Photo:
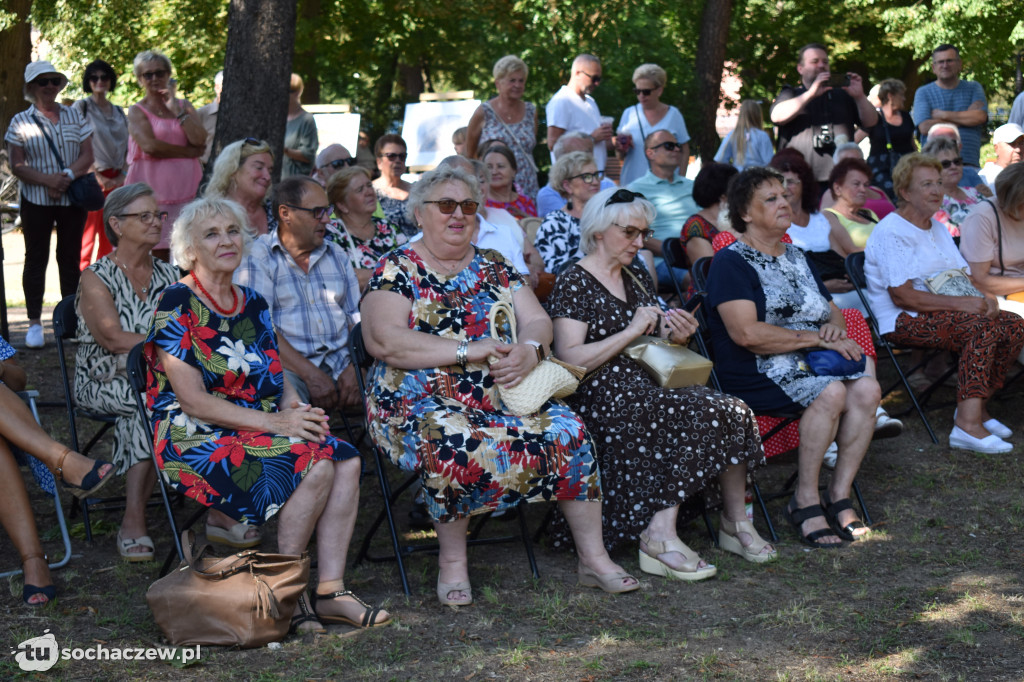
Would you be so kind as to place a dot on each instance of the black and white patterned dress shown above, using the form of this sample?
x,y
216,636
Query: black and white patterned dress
x,y
558,240
656,447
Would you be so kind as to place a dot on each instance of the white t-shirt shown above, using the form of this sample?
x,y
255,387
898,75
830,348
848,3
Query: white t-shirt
x,y
635,164
566,110
813,236
898,252
989,174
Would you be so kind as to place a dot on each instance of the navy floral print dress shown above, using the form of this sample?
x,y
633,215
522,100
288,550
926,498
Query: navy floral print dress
x,y
248,475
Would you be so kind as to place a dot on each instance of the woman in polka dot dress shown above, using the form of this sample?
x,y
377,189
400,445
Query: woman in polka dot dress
x,y
658,448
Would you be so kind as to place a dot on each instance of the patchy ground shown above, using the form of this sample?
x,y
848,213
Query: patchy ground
x,y
935,593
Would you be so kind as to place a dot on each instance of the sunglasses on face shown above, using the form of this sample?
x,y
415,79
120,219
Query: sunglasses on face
x,y
633,232
946,163
319,212
447,206
159,73
593,79
97,77
55,80
589,177
340,163
669,146
646,92
148,217
394,156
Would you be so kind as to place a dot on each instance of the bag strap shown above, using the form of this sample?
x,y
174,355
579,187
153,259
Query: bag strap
x,y
999,234
49,140
499,308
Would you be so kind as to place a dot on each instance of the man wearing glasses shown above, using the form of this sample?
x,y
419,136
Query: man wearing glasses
x,y
332,159
312,292
671,194
572,108
952,100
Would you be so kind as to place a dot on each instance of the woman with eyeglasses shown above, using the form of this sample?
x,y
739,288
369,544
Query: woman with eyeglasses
x,y
662,451
392,191
502,192
242,173
116,299
44,178
434,405
511,120
300,136
110,149
645,117
363,236
956,200
576,178
167,139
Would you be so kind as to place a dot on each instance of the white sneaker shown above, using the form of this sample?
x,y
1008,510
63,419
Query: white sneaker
x,y
831,455
991,444
34,336
886,426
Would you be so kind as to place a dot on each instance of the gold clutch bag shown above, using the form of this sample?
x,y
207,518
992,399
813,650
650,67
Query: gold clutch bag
x,y
671,365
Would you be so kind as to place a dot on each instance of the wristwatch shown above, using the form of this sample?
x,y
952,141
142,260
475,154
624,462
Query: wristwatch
x,y
68,172
539,347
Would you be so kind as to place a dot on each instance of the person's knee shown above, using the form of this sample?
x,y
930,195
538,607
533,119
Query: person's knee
x,y
831,400
864,392
348,469
319,479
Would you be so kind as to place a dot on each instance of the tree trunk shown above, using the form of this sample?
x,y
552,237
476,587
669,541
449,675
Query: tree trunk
x,y
305,64
15,54
257,67
714,33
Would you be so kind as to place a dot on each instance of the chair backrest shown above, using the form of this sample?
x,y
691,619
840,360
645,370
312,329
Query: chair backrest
x,y
675,257
855,270
359,356
136,368
65,319
699,273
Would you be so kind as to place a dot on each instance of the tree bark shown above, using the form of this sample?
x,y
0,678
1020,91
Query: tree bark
x,y
257,68
714,34
305,64
15,54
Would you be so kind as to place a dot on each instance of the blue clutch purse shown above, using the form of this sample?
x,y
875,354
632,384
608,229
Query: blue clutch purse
x,y
829,363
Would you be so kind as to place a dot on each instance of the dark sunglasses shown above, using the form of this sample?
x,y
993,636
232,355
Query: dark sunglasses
x,y
633,232
97,77
159,73
447,206
319,212
395,156
588,177
54,80
593,79
669,146
646,92
623,196
340,163
946,163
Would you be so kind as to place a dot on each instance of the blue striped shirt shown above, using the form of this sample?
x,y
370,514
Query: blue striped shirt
x,y
930,97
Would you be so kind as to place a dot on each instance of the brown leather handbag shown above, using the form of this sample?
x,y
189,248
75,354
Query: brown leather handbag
x,y
243,600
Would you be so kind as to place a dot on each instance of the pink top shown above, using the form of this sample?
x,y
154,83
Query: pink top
x,y
175,181
882,207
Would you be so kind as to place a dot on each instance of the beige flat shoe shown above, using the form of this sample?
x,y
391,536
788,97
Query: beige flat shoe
x,y
462,586
608,582
649,562
728,539
125,544
234,536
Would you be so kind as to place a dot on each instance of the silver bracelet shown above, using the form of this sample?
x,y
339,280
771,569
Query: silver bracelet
x,y
462,352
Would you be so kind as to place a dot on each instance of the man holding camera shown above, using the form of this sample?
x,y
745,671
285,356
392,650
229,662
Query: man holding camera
x,y
820,113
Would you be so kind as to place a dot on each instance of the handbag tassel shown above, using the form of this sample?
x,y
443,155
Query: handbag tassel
x,y
266,602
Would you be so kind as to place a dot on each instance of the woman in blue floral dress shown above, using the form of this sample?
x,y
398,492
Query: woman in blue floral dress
x,y
229,430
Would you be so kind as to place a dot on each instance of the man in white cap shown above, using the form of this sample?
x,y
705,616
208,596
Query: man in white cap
x,y
1009,142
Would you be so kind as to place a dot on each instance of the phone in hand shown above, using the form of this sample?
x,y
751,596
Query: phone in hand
x,y
839,80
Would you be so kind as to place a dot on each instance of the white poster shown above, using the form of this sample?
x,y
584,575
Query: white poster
x,y
335,127
428,128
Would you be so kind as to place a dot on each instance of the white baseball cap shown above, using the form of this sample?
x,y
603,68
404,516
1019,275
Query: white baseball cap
x,y
1009,133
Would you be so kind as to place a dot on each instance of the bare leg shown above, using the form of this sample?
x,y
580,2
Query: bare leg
x,y
139,481
299,515
584,520
452,562
854,436
662,528
818,427
17,519
971,416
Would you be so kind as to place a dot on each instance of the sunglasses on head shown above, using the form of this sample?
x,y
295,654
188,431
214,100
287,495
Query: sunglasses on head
x,y
447,206
669,146
646,92
97,77
53,80
588,177
946,163
623,196
340,163
319,212
159,73
253,142
395,156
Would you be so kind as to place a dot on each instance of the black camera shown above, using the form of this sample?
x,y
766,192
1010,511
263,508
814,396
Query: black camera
x,y
825,141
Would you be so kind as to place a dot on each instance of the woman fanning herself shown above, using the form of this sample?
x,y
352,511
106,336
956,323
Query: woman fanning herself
x,y
242,173
767,307
434,405
230,432
687,438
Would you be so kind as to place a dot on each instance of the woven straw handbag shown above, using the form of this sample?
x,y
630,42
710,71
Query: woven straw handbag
x,y
552,378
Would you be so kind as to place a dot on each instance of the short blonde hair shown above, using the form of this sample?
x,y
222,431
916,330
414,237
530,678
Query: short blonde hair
x,y
230,159
904,172
509,64
150,56
651,72
567,166
183,238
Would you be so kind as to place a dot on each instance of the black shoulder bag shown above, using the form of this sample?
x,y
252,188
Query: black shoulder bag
x,y
84,191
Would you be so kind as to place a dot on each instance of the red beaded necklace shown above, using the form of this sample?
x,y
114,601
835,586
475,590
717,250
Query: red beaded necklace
x,y
213,301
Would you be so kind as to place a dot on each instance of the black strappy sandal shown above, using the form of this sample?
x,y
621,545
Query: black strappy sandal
x,y
29,591
305,616
798,516
369,614
832,510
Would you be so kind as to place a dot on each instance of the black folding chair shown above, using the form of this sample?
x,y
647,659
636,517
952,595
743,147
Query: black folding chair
x,y
137,379
855,269
674,255
362,360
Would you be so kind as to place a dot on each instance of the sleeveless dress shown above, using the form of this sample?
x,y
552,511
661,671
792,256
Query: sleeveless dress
x,y
101,383
524,139
175,181
656,447
248,475
446,422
